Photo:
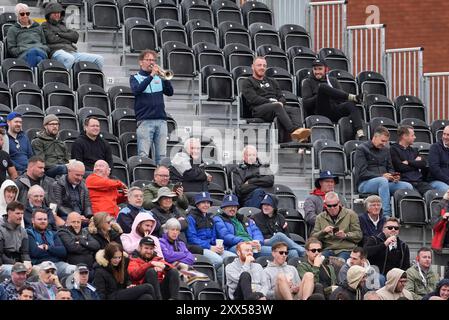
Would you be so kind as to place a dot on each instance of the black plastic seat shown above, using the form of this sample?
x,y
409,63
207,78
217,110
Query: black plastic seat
x,y
294,35
196,9
121,97
372,83
226,11
170,30
237,55
163,9
86,112
123,120
133,9
254,11
262,34
32,116
90,95
335,58
300,58
66,116
200,31
378,105
208,54
85,72
217,83
50,70
282,76
25,92
16,70
59,94
139,35
179,58
128,141
410,107
233,32
275,56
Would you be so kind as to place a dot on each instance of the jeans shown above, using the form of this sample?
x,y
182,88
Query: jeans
x,y
149,132
34,56
439,185
294,249
384,189
344,254
69,58
255,198
57,170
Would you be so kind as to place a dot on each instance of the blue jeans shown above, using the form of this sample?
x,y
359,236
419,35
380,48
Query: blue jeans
x,y
149,132
34,56
294,249
69,58
57,170
439,185
344,254
255,198
384,189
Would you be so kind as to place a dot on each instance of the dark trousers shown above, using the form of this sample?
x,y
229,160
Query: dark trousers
x,y
327,105
141,292
168,288
244,290
289,117
421,186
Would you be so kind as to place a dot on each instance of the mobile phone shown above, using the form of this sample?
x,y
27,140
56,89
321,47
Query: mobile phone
x,y
335,230
177,186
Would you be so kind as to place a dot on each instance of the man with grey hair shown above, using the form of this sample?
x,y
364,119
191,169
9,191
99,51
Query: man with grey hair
x,y
127,214
71,193
188,170
372,221
338,228
36,201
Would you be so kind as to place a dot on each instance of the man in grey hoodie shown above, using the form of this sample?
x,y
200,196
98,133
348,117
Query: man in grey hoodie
x,y
284,282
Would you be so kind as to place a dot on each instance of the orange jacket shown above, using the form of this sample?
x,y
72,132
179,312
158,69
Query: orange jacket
x,y
104,194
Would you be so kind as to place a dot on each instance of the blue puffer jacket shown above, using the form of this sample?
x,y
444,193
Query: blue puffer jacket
x,y
201,229
439,162
225,230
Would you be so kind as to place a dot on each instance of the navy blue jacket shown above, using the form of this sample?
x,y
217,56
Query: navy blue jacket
x,y
127,215
201,230
88,293
149,91
20,151
439,162
225,230
56,251
412,171
368,228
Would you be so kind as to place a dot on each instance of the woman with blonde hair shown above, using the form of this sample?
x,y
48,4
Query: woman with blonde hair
x,y
104,229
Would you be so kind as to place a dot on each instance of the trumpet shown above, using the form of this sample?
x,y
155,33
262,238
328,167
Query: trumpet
x,y
164,74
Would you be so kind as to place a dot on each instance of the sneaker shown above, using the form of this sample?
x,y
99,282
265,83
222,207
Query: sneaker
x,y
301,134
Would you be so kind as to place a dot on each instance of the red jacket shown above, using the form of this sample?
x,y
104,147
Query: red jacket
x,y
137,268
439,233
104,195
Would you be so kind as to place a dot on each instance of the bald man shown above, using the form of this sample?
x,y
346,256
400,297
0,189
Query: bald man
x,y
105,193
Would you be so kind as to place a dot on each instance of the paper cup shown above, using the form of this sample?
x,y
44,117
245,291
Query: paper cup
x,y
219,242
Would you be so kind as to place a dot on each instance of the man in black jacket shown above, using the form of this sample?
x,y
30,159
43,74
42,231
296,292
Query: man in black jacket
x,y
407,161
251,178
323,95
386,250
265,100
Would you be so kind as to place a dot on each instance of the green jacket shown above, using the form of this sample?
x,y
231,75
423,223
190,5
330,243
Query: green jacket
x,y
325,274
150,193
51,149
416,285
348,221
21,39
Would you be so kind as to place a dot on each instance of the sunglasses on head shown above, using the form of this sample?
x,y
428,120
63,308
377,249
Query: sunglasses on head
x,y
392,227
50,271
315,250
24,13
284,253
332,205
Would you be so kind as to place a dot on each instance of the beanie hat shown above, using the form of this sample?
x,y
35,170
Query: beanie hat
x,y
50,118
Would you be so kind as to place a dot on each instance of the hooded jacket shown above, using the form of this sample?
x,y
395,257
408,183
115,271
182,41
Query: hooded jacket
x,y
104,194
436,292
388,291
114,234
89,151
127,215
347,221
13,243
161,216
20,151
272,270
438,162
259,282
50,148
257,175
368,227
384,258
24,184
3,203
224,229
351,289
175,250
57,34
269,226
21,39
310,88
138,267
56,251
63,199
150,193
420,283
201,230
131,240
81,247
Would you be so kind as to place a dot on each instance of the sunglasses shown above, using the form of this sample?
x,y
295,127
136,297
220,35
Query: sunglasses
x,y
332,205
392,227
24,13
52,271
283,253
315,250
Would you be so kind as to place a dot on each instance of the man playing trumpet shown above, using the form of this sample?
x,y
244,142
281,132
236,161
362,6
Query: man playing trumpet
x,y
149,85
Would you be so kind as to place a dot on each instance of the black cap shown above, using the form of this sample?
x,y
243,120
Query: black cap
x,y
146,240
319,62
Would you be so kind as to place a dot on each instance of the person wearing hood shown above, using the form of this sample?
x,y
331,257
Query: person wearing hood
x,y
146,266
127,214
283,279
354,287
201,231
441,291
7,164
386,250
421,279
90,147
173,248
149,89
143,226
395,286
104,229
372,221
323,95
49,147
251,178
81,246
8,193
61,40
314,204
234,228
111,277
273,226
26,39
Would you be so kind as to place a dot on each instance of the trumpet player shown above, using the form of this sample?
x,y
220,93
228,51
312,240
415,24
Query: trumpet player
x,y
149,86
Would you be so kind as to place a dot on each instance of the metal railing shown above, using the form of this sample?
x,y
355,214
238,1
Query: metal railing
x,y
366,46
404,72
327,24
436,95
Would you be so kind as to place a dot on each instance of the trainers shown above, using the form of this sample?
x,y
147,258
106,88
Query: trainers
x,y
300,134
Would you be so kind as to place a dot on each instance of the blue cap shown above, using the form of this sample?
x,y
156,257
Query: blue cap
x,y
13,115
267,199
203,196
325,175
230,200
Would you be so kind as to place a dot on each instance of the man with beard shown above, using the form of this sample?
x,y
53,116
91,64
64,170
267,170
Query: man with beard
x,y
9,289
49,147
20,149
